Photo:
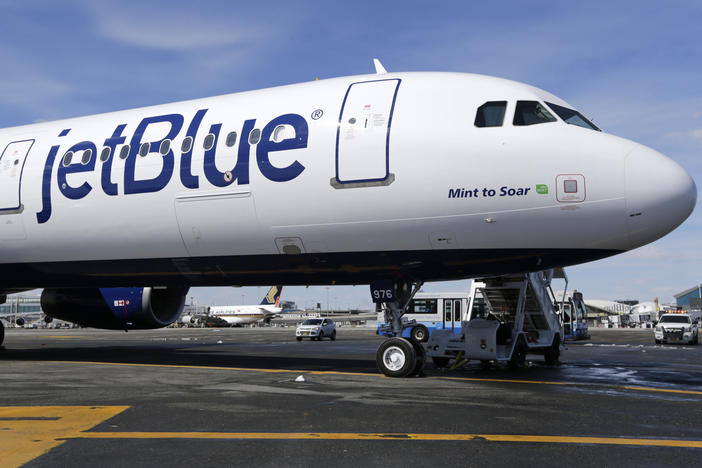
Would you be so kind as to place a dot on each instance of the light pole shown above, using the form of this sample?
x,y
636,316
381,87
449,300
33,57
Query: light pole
x,y
327,288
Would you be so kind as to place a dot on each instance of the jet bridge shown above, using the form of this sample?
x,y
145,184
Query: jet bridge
x,y
521,317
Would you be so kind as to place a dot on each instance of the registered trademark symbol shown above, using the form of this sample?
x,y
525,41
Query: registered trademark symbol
x,y
317,114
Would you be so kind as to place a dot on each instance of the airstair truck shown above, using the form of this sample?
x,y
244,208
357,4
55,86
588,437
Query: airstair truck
x,y
520,318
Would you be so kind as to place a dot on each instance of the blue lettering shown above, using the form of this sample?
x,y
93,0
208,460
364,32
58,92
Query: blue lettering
x,y
186,176
116,139
511,192
76,193
242,161
240,172
131,185
295,133
45,213
266,146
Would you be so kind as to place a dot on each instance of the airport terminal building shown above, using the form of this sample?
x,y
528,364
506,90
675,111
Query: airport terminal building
x,y
690,298
18,304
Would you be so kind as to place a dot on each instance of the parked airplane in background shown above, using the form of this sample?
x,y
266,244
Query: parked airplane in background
x,y
607,307
22,318
246,314
400,177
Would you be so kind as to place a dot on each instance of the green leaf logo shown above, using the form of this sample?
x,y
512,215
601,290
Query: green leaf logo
x,y
542,189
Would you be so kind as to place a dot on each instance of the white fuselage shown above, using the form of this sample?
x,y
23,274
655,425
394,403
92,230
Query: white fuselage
x,y
353,178
243,315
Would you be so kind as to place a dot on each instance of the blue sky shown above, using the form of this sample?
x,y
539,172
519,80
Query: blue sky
x,y
635,67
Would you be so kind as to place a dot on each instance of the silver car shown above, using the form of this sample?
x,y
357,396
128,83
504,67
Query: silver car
x,y
316,328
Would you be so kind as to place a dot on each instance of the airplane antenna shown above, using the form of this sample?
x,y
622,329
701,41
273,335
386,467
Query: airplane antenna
x,y
379,68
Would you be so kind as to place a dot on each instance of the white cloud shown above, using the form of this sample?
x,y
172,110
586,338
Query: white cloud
x,y
184,29
695,134
182,36
651,251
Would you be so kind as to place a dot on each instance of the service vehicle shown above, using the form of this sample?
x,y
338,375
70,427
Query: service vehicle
x,y
574,316
520,318
316,329
676,327
429,311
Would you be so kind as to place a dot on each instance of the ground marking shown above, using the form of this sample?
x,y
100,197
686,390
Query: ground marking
x,y
27,432
31,431
313,372
395,436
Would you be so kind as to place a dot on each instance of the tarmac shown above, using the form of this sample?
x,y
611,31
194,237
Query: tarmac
x,y
257,397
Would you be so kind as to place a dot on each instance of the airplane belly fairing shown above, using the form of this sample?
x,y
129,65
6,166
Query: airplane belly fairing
x,y
303,269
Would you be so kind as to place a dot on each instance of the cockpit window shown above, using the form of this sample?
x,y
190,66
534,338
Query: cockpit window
x,y
571,116
530,113
491,114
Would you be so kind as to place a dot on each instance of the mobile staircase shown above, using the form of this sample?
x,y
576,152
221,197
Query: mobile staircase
x,y
521,318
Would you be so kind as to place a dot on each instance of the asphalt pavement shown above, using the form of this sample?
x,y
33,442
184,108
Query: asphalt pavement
x,y
257,397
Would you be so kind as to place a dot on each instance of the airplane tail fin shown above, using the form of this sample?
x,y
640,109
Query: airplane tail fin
x,y
273,296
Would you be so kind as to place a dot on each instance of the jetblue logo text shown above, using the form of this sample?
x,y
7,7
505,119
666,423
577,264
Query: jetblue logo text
x,y
295,131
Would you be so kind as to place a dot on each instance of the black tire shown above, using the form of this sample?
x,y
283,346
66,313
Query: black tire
x,y
519,354
553,352
440,362
396,357
333,335
485,365
420,358
420,334
320,336
2,333
658,341
299,338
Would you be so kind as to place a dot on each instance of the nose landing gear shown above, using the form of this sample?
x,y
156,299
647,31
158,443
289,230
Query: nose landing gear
x,y
397,357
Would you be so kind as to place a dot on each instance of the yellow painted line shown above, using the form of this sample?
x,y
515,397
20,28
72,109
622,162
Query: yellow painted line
x,y
250,369
664,390
538,382
312,372
27,432
394,436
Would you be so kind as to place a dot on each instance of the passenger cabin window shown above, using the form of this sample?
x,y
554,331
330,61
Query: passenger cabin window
x,y
491,114
231,139
254,136
531,113
165,147
571,116
209,142
87,155
187,144
124,152
105,155
67,158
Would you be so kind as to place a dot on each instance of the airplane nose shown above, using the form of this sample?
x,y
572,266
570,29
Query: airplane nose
x,y
660,195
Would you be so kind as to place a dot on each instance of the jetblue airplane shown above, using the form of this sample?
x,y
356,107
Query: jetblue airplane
x,y
402,177
247,314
